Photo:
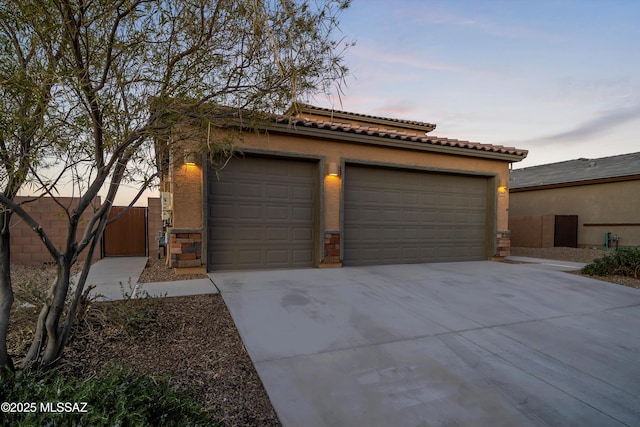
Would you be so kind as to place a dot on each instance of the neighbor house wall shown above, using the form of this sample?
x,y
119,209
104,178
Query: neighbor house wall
x,y
27,247
606,207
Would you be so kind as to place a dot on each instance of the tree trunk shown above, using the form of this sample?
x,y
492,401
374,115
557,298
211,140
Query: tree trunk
x,y
6,292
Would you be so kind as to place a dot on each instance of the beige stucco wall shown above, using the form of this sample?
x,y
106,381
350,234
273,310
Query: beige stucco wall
x,y
188,198
606,203
340,152
187,189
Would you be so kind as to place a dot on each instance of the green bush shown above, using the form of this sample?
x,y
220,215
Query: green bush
x,y
118,398
624,262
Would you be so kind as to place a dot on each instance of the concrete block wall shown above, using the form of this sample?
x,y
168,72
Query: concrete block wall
x,y
26,246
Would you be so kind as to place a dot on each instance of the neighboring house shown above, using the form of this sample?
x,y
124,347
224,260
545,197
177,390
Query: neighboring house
x,y
319,188
577,203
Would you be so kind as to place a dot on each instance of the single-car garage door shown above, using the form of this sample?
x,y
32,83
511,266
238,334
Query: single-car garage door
x,y
396,216
261,214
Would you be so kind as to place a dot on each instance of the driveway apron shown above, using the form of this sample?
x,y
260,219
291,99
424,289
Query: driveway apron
x,y
464,344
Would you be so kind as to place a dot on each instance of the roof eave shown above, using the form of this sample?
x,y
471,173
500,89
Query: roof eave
x,y
576,183
393,143
336,114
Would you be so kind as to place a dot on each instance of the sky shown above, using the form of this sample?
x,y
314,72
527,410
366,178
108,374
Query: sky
x,y
558,78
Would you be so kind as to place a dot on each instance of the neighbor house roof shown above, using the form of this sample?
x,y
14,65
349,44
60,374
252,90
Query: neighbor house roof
x,y
576,172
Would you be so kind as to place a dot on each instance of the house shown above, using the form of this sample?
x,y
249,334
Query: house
x,y
577,203
324,188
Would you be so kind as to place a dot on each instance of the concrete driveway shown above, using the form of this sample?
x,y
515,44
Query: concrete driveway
x,y
455,344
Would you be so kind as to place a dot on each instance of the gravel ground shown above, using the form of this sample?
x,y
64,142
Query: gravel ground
x,y
157,271
191,339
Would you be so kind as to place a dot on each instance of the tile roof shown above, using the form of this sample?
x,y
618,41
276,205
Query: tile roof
x,y
577,170
398,135
307,108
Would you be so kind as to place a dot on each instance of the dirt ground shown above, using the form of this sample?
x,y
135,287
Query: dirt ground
x,y
191,339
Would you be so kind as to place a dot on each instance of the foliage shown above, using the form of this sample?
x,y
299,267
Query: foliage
x,y
117,397
30,284
90,90
623,262
135,311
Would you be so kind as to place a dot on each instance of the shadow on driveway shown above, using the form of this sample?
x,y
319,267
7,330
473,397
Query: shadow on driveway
x,y
465,344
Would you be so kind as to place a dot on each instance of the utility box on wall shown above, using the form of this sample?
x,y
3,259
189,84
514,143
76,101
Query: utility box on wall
x,y
166,199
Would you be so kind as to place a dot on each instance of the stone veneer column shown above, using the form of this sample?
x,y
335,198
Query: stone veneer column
x,y
186,248
331,249
503,239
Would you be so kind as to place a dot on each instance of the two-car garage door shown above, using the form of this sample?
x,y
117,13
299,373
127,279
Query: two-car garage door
x,y
396,216
263,213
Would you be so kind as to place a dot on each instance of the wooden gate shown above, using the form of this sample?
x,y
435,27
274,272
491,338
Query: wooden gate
x,y
566,231
126,236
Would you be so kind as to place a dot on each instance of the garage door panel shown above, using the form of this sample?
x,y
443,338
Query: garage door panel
x,y
262,214
302,213
249,257
245,211
302,193
302,256
277,256
276,213
248,191
225,210
226,258
301,234
274,191
245,233
399,216
275,234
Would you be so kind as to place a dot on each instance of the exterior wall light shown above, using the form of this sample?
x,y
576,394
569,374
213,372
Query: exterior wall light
x,y
502,186
190,158
334,170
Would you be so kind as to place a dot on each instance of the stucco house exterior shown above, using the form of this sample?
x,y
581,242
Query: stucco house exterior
x,y
325,188
577,203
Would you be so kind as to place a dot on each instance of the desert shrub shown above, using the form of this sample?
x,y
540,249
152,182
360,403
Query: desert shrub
x,y
119,397
624,262
31,283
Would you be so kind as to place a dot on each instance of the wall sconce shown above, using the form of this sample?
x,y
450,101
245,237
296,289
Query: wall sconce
x,y
190,157
502,186
334,169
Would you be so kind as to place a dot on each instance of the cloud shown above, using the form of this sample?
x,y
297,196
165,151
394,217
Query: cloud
x,y
399,109
369,53
490,19
596,126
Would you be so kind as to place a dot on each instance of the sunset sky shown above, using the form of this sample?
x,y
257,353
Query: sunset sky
x,y
559,78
